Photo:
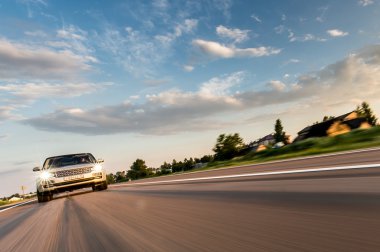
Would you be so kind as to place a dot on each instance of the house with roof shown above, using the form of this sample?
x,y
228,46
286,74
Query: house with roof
x,y
15,199
334,126
262,143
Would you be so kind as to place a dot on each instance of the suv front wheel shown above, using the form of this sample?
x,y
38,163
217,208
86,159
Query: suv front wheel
x,y
43,197
100,187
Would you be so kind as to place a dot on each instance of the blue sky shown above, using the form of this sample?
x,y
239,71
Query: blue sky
x,y
160,80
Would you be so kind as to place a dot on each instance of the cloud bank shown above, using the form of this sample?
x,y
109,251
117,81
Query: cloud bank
x,y
354,78
24,61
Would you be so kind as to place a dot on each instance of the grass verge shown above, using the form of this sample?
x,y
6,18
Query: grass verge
x,y
4,202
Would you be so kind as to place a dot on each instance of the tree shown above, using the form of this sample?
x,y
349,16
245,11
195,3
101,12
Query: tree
x,y
279,133
177,166
137,170
228,146
207,158
165,168
150,171
188,164
110,178
120,176
365,111
326,118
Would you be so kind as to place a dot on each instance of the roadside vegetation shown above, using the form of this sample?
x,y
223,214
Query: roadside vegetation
x,y
357,139
230,150
4,202
8,200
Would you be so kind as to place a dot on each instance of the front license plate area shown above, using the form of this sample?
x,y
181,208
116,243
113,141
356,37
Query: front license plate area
x,y
74,177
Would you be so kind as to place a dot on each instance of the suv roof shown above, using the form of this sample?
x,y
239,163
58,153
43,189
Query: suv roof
x,y
66,155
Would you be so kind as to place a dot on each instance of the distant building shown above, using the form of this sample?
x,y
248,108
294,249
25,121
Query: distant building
x,y
15,199
335,126
267,140
199,165
261,143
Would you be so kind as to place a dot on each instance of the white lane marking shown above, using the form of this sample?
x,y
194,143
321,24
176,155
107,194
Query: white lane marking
x,y
23,203
351,167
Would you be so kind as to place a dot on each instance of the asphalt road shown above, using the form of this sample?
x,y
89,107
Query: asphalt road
x,y
318,211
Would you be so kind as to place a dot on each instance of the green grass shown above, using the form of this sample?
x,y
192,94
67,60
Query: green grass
x,y
2,202
356,139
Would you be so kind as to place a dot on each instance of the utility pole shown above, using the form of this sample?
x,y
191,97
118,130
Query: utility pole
x,y
23,189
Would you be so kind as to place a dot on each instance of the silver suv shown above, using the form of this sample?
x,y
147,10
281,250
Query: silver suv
x,y
69,172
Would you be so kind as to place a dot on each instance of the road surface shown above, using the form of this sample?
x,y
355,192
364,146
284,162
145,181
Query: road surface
x,y
337,210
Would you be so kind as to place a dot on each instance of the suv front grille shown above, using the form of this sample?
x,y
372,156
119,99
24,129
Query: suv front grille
x,y
72,172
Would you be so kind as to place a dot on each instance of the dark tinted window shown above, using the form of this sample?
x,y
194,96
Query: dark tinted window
x,y
68,160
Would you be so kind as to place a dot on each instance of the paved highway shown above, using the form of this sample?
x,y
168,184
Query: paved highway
x,y
334,210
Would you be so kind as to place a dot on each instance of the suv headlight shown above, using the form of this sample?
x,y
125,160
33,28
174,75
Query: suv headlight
x,y
45,175
97,168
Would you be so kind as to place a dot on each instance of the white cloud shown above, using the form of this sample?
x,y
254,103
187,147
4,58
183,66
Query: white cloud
x,y
136,52
161,4
155,82
217,50
32,5
351,79
37,33
42,2
336,33
236,35
220,86
224,6
73,38
365,2
188,68
134,97
58,44
8,113
291,61
276,85
321,17
23,61
22,95
141,53
72,32
167,112
304,38
5,112
33,91
256,18
188,26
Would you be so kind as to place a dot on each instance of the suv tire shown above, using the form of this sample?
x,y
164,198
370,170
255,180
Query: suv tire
x,y
100,187
43,197
104,186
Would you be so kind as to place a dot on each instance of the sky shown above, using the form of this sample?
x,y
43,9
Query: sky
x,y
160,80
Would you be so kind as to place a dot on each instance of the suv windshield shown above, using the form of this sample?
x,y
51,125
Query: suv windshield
x,y
67,160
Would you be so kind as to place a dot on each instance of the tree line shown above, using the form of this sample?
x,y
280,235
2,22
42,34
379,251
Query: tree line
x,y
139,169
227,147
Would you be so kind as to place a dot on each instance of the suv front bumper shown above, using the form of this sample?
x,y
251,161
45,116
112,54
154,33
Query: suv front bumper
x,y
56,185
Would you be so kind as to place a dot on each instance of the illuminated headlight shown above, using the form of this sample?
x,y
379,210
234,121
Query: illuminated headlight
x,y
45,175
97,168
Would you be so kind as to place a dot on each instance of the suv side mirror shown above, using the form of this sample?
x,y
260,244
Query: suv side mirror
x,y
36,169
100,161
